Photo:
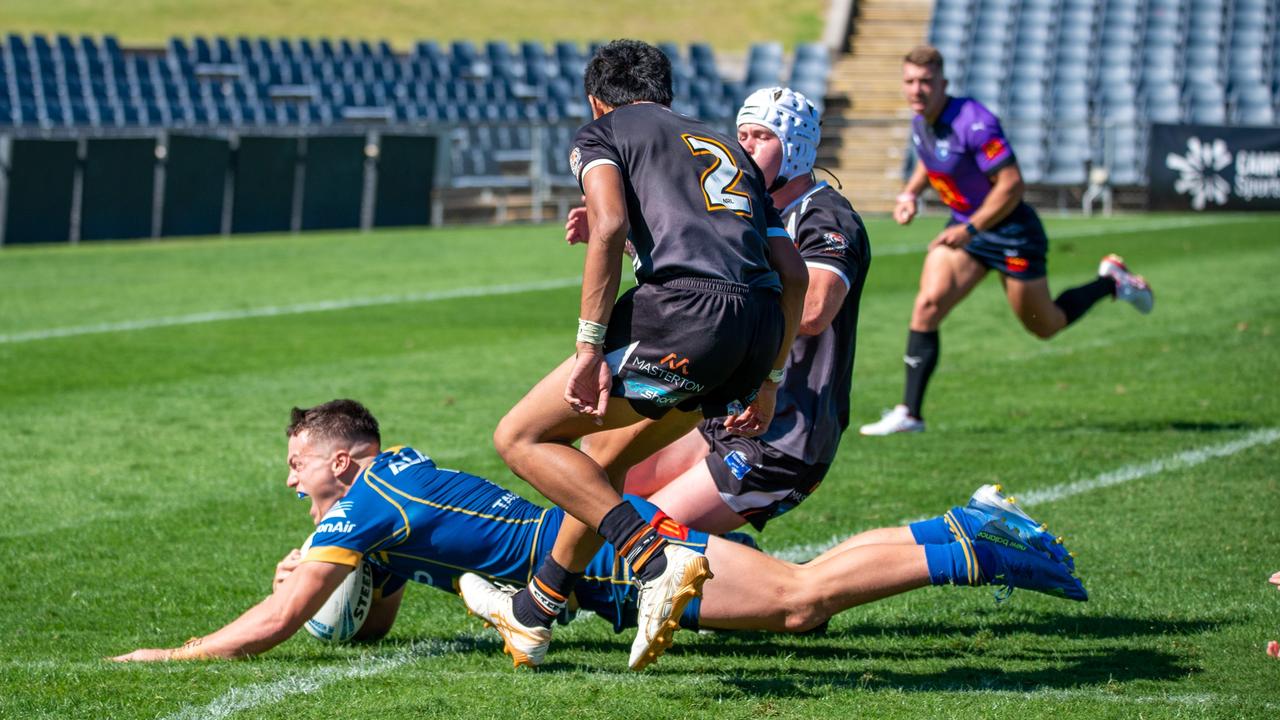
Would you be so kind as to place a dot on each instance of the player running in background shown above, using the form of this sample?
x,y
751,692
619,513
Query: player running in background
x,y
964,155
412,520
720,293
712,479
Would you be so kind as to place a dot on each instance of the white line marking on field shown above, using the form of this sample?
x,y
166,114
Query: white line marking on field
x,y
1120,227
1053,493
251,696
298,309
1182,460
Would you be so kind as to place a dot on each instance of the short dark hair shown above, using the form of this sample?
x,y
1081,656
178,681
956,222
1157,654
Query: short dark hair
x,y
926,56
628,71
345,420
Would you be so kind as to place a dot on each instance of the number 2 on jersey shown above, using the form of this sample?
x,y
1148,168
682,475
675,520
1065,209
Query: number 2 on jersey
x,y
720,181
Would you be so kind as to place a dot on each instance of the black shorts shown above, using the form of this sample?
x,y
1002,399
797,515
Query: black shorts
x,y
755,479
1016,247
692,343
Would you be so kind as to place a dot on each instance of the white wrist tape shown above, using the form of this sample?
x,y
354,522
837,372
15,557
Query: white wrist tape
x,y
906,197
591,332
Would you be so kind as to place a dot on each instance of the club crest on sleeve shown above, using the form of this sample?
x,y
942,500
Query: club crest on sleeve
x,y
836,244
993,148
575,161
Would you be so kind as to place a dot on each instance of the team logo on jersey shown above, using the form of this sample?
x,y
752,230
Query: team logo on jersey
x,y
994,148
575,161
948,192
943,149
837,244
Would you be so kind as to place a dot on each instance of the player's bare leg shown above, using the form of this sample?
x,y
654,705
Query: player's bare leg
x,y
692,499
1034,307
879,536
654,472
949,275
754,591
535,439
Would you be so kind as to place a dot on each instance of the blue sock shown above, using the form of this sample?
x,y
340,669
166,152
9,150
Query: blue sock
x,y
933,531
950,564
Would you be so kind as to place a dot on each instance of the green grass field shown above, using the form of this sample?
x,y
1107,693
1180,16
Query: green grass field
x,y
144,388
729,26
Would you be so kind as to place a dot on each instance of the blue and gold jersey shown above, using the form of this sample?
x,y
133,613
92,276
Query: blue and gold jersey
x,y
429,524
415,521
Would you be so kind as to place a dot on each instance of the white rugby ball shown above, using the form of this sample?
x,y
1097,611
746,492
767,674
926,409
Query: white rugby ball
x,y
341,616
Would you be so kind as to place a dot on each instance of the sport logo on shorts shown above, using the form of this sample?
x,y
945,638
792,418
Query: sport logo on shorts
x,y
738,464
1016,264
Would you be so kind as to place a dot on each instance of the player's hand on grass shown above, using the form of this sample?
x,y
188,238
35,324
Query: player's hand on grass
x,y
285,567
587,391
576,229
904,211
1275,580
146,655
755,419
955,236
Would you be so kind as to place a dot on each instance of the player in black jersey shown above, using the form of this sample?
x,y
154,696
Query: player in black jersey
x,y
721,289
715,480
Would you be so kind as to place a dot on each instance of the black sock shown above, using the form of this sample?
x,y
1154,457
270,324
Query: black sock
x,y
921,359
635,541
546,595
1077,301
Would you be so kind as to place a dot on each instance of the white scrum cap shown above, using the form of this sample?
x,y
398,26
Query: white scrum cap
x,y
793,118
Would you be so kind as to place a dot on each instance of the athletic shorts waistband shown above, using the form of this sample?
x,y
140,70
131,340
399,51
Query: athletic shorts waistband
x,y
727,287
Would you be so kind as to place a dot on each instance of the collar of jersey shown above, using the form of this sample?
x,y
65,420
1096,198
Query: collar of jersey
x,y
809,193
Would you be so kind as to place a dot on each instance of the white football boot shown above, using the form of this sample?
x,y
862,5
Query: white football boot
x,y
897,420
663,599
1130,288
526,645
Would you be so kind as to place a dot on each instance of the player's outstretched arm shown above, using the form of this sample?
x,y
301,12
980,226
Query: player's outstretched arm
x,y
1275,580
264,625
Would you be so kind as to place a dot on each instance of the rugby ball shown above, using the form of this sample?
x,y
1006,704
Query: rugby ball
x,y
341,616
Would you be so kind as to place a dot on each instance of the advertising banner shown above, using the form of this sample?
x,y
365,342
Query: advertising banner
x,y
1208,167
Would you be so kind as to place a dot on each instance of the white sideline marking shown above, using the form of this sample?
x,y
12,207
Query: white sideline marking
x,y
299,309
1053,493
1190,458
329,305
1119,227
243,698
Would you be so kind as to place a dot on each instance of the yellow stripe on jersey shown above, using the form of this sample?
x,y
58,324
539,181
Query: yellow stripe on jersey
x,y
332,554
403,515
533,547
449,508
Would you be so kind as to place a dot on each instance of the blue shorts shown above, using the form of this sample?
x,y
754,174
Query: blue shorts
x,y
1017,247
607,588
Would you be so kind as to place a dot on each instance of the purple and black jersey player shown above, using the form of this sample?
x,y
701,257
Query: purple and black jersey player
x,y
717,306
965,156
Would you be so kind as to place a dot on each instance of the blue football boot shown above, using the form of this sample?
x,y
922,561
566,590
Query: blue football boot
x,y
1006,559
989,503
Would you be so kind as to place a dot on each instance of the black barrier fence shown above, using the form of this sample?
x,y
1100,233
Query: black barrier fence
x,y
1207,167
60,190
